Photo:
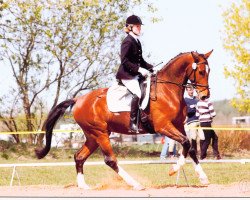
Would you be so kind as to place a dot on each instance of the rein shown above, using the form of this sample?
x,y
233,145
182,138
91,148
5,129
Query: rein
x,y
157,80
180,84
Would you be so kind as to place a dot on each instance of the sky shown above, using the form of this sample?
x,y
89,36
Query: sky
x,y
189,25
186,25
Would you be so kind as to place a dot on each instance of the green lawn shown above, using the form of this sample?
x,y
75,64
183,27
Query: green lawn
x,y
150,175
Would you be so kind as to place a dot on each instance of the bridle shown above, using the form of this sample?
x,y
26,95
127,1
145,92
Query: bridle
x,y
193,82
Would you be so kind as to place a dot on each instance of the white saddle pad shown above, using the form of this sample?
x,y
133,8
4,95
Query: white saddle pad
x,y
119,98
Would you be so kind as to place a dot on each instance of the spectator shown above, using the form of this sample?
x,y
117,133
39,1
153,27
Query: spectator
x,y
174,148
169,148
164,150
205,112
192,120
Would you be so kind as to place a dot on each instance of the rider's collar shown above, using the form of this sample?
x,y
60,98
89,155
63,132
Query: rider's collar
x,y
136,37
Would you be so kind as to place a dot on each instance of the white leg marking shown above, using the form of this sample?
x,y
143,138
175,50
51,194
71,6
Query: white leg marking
x,y
181,161
81,182
129,180
202,176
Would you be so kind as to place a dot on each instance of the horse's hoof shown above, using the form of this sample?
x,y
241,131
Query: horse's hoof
x,y
139,188
204,181
171,171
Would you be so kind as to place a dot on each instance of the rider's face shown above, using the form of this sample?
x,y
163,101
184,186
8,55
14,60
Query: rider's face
x,y
136,29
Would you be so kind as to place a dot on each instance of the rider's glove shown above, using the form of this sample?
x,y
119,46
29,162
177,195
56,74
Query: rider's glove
x,y
143,71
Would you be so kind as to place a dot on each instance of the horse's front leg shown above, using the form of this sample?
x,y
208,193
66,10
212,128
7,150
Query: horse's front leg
x,y
198,169
172,132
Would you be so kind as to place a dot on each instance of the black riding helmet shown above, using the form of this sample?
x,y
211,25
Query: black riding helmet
x,y
133,19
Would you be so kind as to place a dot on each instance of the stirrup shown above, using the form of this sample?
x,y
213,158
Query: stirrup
x,y
134,129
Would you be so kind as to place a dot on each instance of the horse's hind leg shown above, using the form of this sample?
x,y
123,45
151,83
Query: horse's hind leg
x,y
80,157
111,161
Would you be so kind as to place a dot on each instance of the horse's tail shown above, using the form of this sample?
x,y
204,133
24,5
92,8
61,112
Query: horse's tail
x,y
49,124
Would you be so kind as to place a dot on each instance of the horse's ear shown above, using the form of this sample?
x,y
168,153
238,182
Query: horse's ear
x,y
195,56
208,54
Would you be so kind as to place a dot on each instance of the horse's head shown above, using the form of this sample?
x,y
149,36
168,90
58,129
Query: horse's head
x,y
198,72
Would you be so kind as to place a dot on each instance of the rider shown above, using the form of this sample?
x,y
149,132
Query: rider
x,y
133,65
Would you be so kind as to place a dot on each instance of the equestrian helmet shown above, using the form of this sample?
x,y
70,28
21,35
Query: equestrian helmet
x,y
133,19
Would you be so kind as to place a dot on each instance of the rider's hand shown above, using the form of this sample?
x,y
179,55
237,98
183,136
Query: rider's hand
x,y
151,70
155,71
143,71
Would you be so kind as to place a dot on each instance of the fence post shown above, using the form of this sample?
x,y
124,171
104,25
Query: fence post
x,y
13,175
178,176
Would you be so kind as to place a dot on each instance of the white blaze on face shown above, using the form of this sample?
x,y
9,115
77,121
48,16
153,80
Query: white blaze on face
x,y
194,66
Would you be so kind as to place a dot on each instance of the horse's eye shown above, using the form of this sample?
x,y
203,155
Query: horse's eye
x,y
202,72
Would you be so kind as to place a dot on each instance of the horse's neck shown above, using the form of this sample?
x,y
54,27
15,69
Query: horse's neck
x,y
175,72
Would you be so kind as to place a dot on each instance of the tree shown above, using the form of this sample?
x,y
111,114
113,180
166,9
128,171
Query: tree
x,y
236,41
20,49
57,49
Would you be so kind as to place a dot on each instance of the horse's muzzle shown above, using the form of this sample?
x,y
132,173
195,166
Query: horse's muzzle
x,y
204,94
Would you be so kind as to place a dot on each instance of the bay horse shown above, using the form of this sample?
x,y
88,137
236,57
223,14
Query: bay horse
x,y
167,112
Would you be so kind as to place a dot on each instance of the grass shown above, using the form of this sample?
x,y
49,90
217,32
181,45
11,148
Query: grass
x,y
153,175
150,175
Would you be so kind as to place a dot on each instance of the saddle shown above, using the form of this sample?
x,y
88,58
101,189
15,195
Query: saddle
x,y
119,100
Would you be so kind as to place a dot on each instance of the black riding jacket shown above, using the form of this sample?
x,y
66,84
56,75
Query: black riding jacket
x,y
131,59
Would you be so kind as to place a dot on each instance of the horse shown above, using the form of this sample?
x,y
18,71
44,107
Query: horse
x,y
166,112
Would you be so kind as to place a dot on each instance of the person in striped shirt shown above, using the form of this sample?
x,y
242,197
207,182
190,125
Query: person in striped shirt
x,y
205,112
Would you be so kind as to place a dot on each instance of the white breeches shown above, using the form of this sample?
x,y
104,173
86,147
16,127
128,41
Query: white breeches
x,y
171,146
133,86
194,133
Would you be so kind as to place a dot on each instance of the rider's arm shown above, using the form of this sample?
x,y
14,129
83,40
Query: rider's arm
x,y
147,65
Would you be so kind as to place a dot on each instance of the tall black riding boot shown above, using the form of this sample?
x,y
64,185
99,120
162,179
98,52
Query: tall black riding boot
x,y
134,113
